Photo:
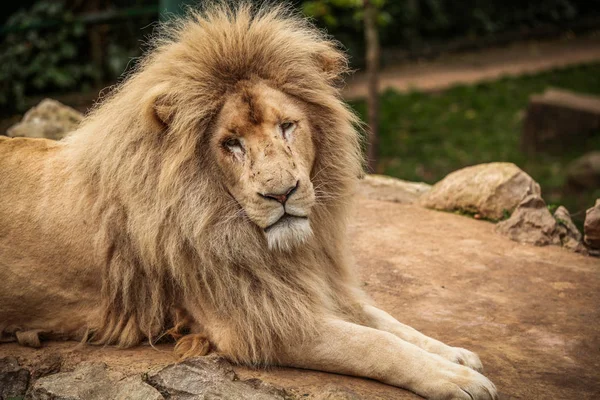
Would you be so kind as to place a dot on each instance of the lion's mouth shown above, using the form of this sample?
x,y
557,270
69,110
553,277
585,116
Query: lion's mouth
x,y
285,220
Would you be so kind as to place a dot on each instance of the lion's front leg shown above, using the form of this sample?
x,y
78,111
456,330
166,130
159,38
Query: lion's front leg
x,y
381,320
347,348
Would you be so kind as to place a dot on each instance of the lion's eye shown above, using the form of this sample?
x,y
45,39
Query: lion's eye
x,y
287,128
233,145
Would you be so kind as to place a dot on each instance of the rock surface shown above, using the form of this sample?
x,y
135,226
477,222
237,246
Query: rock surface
x,y
50,119
92,381
208,378
14,379
559,118
490,190
386,188
591,228
584,172
531,313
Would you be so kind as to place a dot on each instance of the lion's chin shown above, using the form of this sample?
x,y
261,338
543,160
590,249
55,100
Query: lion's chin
x,y
288,233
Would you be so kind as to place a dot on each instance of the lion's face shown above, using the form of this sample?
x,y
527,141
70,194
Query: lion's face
x,y
265,150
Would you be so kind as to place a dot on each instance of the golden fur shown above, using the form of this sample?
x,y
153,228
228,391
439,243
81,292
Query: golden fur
x,y
130,216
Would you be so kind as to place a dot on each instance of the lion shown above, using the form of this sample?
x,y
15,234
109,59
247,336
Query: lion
x,y
207,196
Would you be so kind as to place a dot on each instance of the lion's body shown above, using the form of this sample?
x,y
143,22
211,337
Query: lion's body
x,y
211,188
114,203
50,280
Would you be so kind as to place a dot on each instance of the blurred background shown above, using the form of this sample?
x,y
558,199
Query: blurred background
x,y
443,84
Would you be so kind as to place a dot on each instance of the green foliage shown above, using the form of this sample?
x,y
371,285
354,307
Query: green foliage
x,y
425,136
41,60
349,13
413,24
421,19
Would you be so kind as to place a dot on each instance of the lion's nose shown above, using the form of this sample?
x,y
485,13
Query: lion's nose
x,y
281,197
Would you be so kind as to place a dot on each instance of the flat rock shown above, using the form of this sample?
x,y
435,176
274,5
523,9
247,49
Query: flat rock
x,y
525,310
591,228
490,190
531,313
386,188
14,379
50,119
208,378
92,381
333,392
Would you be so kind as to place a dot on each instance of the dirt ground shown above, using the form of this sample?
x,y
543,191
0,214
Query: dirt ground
x,y
485,65
531,313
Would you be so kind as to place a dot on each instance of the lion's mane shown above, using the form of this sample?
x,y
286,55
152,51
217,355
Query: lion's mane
x,y
168,232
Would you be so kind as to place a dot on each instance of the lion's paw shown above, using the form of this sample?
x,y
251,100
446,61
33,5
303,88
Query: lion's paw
x,y
458,382
192,345
464,357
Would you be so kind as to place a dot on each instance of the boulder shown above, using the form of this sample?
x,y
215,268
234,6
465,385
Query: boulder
x,y
50,119
591,229
92,381
386,188
531,223
13,378
210,377
558,119
491,190
584,172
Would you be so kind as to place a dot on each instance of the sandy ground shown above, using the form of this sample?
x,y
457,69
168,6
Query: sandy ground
x,y
532,314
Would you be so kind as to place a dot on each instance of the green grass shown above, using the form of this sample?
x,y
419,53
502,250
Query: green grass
x,y
425,136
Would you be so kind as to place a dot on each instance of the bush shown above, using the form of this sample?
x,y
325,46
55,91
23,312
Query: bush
x,y
47,58
413,23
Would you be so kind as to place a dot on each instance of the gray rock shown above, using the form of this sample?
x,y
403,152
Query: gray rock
x,y
386,188
210,377
490,190
569,235
50,119
531,223
584,172
13,378
47,364
591,229
92,381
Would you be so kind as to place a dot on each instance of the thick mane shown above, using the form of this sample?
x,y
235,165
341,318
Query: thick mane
x,y
170,237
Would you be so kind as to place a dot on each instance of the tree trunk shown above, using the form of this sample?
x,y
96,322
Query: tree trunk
x,y
372,58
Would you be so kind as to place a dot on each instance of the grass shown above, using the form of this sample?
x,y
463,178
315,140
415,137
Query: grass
x,y
425,136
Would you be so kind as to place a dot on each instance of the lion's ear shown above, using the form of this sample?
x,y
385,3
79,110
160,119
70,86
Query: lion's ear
x,y
158,108
332,62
